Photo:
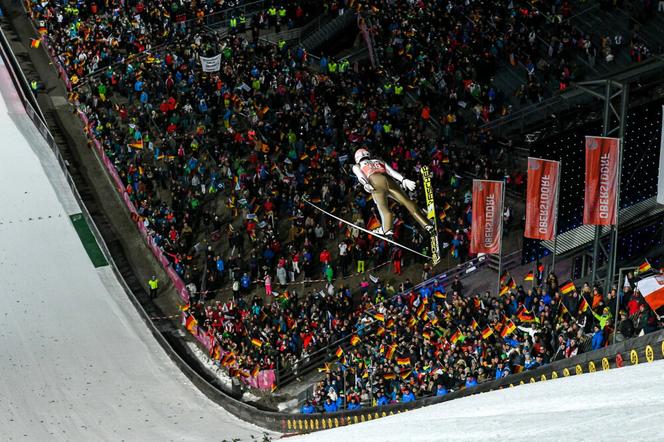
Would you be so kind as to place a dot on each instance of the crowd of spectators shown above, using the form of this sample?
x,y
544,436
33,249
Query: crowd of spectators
x,y
437,339
448,53
218,164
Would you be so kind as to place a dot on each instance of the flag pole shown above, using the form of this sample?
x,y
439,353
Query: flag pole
x,y
500,250
555,222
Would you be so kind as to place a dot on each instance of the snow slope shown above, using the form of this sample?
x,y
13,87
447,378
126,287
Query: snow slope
x,y
77,363
624,404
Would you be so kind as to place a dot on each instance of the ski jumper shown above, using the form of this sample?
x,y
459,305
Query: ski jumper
x,y
384,180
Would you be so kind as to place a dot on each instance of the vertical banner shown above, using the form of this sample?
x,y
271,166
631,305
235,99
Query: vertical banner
x,y
660,182
487,225
541,199
601,181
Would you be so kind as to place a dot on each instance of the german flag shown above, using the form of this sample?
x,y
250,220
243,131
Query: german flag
x,y
474,324
379,317
380,331
644,267
136,144
530,276
511,284
339,352
403,361
390,323
508,328
420,309
504,277
412,322
438,294
427,336
446,206
190,323
257,342
504,290
34,43
255,371
456,336
568,287
404,374
42,30
486,332
583,306
354,340
477,303
526,316
389,376
563,310
390,352
373,223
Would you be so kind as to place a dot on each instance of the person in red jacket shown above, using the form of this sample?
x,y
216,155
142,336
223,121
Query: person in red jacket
x,y
324,259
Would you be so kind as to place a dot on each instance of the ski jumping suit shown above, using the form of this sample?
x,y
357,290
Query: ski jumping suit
x,y
384,181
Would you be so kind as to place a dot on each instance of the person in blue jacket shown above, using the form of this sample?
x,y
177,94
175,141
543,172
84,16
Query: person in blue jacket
x,y
382,399
470,382
308,408
354,404
441,390
407,396
245,282
329,406
598,338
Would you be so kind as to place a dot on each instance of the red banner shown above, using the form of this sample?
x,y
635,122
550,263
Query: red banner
x,y
487,225
541,199
601,180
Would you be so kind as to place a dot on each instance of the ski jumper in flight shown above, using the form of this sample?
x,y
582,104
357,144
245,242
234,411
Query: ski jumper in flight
x,y
381,181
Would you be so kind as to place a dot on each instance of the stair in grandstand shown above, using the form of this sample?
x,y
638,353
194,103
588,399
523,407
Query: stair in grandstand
x,y
330,30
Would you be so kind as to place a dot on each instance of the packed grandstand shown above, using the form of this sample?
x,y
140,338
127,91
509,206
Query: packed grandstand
x,y
232,170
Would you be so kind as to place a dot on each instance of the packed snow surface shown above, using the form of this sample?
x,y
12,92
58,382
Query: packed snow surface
x,y
625,404
78,363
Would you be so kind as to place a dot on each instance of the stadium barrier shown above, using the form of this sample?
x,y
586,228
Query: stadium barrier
x,y
644,349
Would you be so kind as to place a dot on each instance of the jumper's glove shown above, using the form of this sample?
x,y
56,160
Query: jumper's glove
x,y
369,188
408,184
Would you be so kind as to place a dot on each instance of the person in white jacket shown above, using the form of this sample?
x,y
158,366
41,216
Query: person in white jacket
x,y
381,181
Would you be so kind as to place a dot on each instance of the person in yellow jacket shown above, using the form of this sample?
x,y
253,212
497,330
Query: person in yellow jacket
x,y
153,283
604,318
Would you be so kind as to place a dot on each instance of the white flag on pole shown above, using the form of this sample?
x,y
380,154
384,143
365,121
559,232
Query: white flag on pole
x,y
660,182
211,64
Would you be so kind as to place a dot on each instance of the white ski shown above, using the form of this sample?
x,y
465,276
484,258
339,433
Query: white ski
x,y
384,238
431,214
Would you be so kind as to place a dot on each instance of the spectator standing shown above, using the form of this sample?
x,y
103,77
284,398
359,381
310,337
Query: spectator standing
x,y
153,283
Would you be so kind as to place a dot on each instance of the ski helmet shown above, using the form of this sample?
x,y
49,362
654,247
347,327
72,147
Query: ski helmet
x,y
360,154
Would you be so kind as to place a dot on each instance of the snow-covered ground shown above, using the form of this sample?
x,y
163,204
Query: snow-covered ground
x,y
625,404
77,362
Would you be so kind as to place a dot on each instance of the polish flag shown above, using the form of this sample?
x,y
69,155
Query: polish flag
x,y
652,290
